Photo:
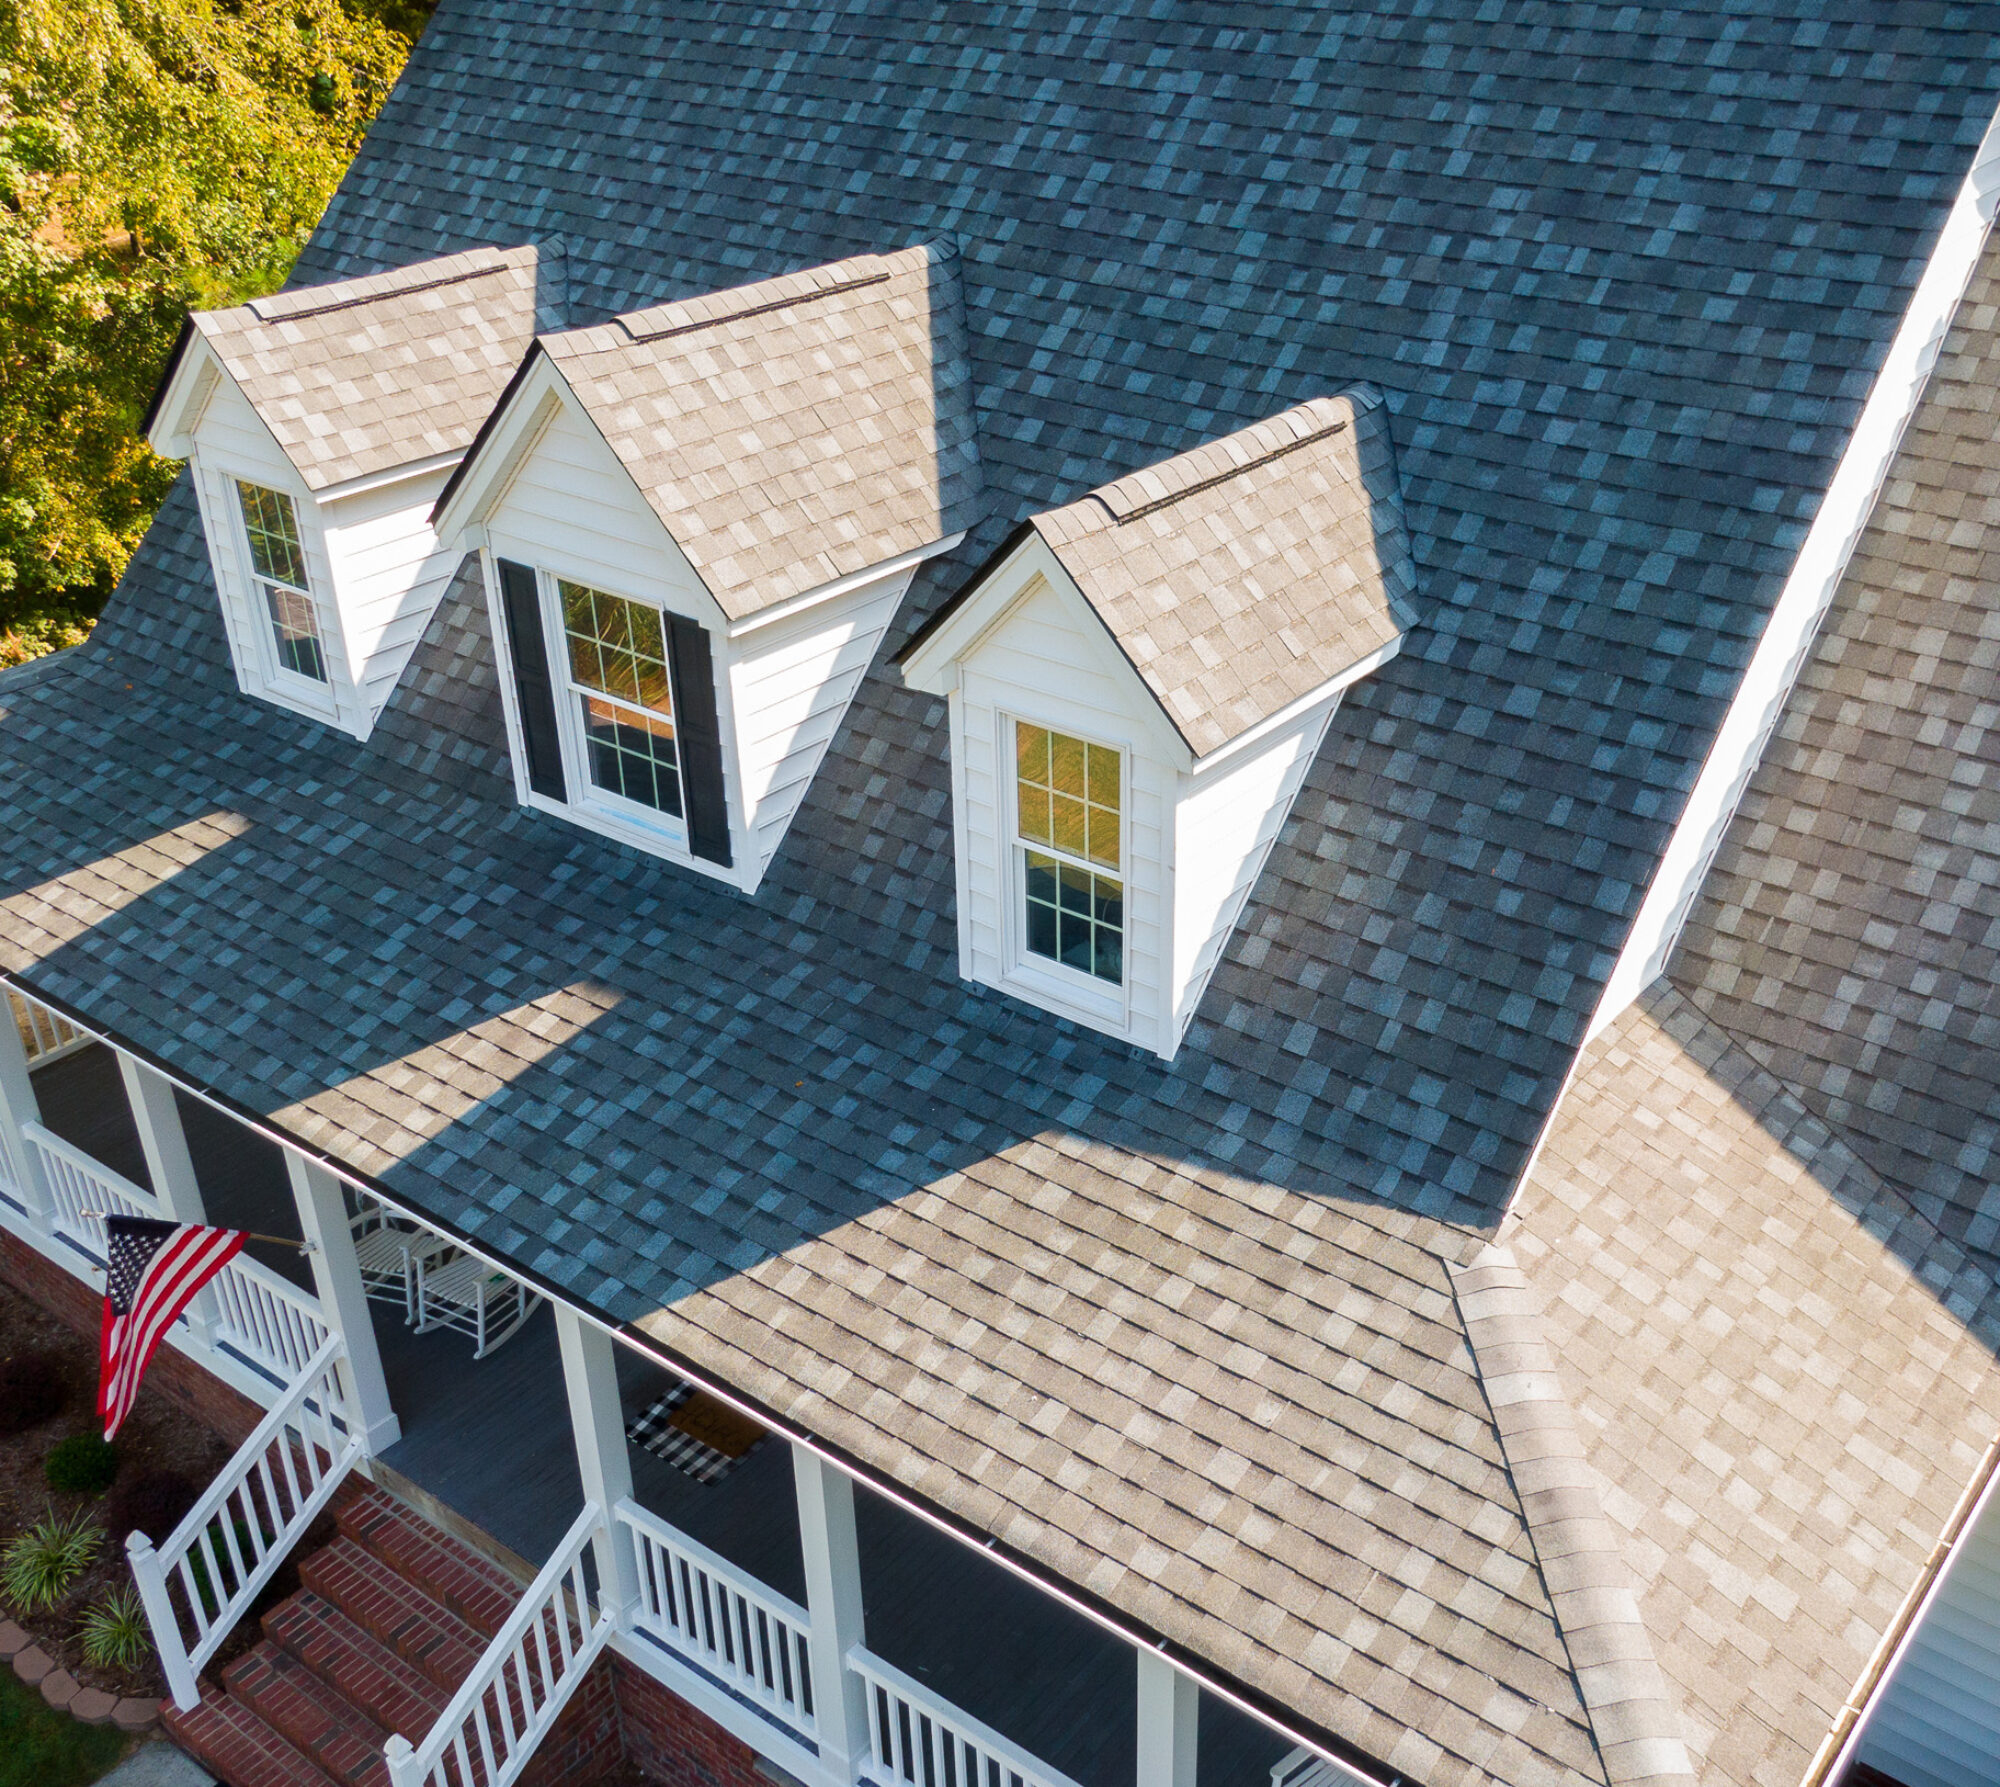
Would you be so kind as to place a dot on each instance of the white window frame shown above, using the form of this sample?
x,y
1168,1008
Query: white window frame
x,y
279,680
630,821
1042,979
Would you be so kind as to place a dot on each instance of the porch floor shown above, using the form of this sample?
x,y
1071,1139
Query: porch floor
x,y
491,1439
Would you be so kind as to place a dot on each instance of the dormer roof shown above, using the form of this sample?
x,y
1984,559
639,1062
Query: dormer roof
x,y
368,375
795,431
1243,575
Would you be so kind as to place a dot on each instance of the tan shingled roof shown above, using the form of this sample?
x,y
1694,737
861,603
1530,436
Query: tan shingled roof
x,y
794,431
368,374
1783,1371
1252,570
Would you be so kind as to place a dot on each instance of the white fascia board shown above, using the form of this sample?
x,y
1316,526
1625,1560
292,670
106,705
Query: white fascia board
x,y
1809,590
841,586
396,474
933,667
194,382
531,406
1328,691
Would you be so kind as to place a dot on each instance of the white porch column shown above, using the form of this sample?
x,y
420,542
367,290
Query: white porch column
x,y
18,1106
337,1278
590,1374
833,1598
169,1165
1169,1716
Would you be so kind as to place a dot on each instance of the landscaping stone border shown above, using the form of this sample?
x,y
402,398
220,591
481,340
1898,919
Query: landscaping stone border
x,y
65,1693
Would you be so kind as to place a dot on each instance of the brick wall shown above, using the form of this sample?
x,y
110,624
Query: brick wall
x,y
588,1741
676,1745
173,1374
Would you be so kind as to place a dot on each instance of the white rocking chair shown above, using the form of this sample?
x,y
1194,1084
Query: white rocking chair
x,y
465,1293
390,1254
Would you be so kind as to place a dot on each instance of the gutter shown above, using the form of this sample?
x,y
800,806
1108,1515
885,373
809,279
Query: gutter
x,y
1850,1725
1245,1699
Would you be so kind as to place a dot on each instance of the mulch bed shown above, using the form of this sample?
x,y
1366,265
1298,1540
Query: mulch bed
x,y
157,1437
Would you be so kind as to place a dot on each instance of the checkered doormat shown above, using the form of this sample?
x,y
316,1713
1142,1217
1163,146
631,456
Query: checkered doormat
x,y
695,1433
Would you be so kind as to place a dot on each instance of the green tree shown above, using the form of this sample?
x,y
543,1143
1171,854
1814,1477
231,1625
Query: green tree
x,y
155,156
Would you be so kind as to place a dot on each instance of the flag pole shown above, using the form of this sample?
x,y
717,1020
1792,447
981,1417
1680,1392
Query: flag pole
x,y
248,1235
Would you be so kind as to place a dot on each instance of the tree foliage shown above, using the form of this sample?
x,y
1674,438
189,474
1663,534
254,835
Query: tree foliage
x,y
155,156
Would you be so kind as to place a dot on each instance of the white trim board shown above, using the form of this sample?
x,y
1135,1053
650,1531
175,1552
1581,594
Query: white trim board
x,y
1816,574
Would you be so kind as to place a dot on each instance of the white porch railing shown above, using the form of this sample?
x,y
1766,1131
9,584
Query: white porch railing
x,y
916,1739
197,1584
83,1191
266,1319
723,1620
44,1035
516,1692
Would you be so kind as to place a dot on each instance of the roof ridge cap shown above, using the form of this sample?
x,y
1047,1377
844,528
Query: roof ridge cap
x,y
806,285
1275,450
500,263
1583,1567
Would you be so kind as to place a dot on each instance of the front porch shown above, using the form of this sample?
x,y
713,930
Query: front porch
x,y
743,1594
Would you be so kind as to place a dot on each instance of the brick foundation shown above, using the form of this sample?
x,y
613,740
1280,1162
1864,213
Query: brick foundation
x,y
673,1743
188,1386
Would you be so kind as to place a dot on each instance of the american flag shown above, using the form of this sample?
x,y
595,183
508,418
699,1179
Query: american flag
x,y
153,1273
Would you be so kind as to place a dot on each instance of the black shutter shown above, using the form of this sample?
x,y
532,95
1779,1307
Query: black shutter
x,y
528,646
700,736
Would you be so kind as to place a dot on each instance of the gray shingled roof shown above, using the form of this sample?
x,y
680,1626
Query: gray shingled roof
x,y
1783,1370
1246,573
1762,1227
1545,234
364,375
796,430
1849,935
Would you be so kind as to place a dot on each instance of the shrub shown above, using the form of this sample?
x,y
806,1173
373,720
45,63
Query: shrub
x,y
31,1391
83,1464
152,1503
39,1565
115,1635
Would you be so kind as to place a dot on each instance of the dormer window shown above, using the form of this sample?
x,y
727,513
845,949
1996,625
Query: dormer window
x,y
319,426
697,523
278,568
622,705
1068,796
1138,683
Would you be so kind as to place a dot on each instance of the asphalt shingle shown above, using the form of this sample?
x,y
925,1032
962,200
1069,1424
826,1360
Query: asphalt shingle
x,y
1578,248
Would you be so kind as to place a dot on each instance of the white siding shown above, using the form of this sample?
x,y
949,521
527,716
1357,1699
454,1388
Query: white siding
x,y
230,443
388,573
1227,822
572,508
1049,663
1938,1724
790,684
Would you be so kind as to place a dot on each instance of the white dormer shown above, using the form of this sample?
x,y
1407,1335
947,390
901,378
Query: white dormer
x,y
1137,685
697,523
320,426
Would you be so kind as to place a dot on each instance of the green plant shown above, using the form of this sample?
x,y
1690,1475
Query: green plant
x,y
39,1565
83,1464
114,1632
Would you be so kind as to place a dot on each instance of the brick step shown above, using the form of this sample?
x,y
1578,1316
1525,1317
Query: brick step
x,y
307,1713
240,1747
363,1671
473,1587
420,1630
